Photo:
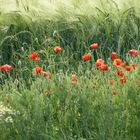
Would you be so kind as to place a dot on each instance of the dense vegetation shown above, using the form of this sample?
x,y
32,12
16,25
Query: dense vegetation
x,y
70,70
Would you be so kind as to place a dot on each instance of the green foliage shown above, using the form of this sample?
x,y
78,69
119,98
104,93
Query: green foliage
x,y
57,109
33,107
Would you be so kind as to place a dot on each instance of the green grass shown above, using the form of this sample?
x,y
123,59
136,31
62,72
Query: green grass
x,y
57,109
33,107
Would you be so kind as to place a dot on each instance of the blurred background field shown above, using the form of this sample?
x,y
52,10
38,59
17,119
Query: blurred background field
x,y
73,24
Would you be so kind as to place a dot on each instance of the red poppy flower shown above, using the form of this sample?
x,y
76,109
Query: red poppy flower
x,y
86,57
73,79
57,49
117,62
6,67
123,80
34,56
113,55
103,67
99,62
134,65
48,74
120,73
128,68
133,52
38,70
94,46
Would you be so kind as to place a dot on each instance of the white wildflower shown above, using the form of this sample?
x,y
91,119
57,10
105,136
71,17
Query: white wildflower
x,y
8,119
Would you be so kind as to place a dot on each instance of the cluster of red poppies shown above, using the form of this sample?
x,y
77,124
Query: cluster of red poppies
x,y
6,68
94,46
118,63
34,56
40,71
100,63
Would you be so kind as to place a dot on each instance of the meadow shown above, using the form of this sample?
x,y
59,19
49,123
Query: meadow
x,y
69,70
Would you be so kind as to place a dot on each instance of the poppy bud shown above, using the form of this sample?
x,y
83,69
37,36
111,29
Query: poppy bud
x,y
94,46
86,57
57,49
113,55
